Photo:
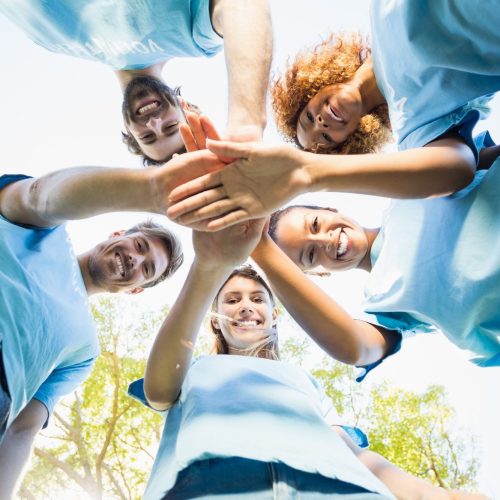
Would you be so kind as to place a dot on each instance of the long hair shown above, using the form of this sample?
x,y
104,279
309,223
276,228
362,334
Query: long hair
x,y
267,347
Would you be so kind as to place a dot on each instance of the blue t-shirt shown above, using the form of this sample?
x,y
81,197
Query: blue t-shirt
x,y
436,265
433,62
124,34
47,332
241,406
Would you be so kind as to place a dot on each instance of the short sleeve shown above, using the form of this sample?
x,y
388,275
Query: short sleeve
x,y
62,381
7,179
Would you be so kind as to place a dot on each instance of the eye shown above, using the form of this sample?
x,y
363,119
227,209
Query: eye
x,y
311,255
327,138
315,225
232,301
310,117
146,270
148,138
258,300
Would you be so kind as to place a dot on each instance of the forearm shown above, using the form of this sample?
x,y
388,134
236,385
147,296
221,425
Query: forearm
x,y
15,450
341,336
76,193
172,350
404,486
248,45
439,169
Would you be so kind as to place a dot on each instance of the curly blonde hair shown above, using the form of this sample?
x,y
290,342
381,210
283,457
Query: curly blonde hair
x,y
334,60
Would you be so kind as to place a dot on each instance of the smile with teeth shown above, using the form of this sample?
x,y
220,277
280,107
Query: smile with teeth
x,y
247,323
148,107
119,264
342,246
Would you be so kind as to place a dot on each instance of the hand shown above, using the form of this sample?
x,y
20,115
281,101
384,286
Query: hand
x,y
183,168
262,179
227,248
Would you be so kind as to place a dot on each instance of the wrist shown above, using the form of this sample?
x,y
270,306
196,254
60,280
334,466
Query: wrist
x,y
311,171
211,270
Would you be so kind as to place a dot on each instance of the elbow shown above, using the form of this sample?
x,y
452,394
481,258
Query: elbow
x,y
463,176
157,399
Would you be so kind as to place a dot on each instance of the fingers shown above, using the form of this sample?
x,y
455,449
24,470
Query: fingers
x,y
227,220
194,123
187,137
209,128
225,149
210,203
192,187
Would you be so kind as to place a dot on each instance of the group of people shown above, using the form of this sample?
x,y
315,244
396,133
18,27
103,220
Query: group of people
x,y
240,423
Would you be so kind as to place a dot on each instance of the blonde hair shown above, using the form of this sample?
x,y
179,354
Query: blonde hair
x,y
267,347
334,60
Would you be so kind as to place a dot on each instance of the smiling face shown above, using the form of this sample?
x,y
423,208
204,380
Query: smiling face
x,y
152,115
249,305
314,237
329,118
127,262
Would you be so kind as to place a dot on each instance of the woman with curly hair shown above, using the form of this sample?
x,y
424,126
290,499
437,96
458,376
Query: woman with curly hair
x,y
433,64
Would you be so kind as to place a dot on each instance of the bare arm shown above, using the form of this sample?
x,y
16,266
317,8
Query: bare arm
x,y
15,447
264,178
216,256
403,485
77,193
342,337
248,45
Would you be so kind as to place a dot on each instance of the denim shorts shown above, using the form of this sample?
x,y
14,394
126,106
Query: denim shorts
x,y
4,397
241,478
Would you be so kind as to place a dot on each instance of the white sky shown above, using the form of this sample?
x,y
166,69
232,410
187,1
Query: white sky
x,y
59,111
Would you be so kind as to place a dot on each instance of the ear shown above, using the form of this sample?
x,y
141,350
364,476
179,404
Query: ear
x,y
215,323
135,291
274,316
115,234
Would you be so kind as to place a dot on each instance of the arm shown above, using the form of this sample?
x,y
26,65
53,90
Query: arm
x,y
342,337
15,447
248,45
400,483
216,255
265,178
76,193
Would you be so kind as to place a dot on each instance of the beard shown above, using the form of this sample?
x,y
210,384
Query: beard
x,y
141,87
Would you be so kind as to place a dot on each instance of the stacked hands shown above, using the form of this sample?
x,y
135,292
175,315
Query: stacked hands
x,y
237,183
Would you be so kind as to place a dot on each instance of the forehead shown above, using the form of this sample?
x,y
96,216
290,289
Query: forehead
x,y
242,284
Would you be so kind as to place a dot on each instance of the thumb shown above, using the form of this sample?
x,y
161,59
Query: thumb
x,y
228,149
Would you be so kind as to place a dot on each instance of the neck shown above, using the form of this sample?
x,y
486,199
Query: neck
x,y
371,234
83,262
126,75
366,82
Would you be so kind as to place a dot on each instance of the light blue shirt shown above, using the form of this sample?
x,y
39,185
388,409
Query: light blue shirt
x,y
436,265
433,59
124,34
46,329
240,406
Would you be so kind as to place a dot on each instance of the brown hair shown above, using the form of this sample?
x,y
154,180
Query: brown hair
x,y
266,348
171,243
334,60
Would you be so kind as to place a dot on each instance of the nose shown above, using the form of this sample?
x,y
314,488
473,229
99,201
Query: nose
x,y
245,311
325,240
154,124
135,260
320,121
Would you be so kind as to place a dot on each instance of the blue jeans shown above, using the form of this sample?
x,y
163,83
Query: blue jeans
x,y
4,398
241,478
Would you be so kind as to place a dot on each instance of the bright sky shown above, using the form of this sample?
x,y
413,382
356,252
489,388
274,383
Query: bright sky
x,y
59,111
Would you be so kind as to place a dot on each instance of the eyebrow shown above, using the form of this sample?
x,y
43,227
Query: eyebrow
x,y
301,254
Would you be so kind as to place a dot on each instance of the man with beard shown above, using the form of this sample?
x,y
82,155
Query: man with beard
x,y
48,341
137,38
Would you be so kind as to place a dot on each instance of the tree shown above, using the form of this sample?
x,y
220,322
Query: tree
x,y
102,443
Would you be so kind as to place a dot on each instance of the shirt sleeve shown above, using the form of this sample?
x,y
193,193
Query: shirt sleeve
x,y
7,179
62,381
